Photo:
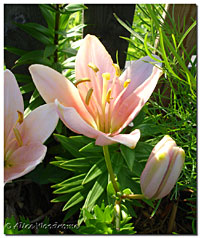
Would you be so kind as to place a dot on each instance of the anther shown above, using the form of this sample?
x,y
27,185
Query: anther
x,y
83,80
88,96
117,70
93,67
126,83
20,117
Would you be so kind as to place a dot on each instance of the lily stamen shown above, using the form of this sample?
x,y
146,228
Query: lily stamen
x,y
126,83
117,70
108,98
93,67
83,80
88,96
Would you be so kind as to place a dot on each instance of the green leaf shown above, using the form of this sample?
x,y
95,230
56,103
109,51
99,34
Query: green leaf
x,y
78,164
71,182
75,7
97,169
129,156
27,88
143,150
48,16
92,148
71,212
98,213
34,96
149,129
72,144
71,190
75,199
33,57
49,50
96,191
15,50
69,51
34,104
23,78
62,198
38,35
108,213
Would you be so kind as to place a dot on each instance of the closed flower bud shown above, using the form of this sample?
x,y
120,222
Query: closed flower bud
x,y
162,169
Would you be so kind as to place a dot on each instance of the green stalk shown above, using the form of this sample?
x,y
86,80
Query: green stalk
x,y
133,196
109,167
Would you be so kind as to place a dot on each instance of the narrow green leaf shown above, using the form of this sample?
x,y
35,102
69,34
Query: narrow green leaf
x,y
23,78
48,16
78,164
34,96
96,191
91,147
71,212
35,33
70,144
75,199
129,156
75,7
147,50
68,190
97,169
71,182
186,33
49,50
98,213
62,198
27,88
15,50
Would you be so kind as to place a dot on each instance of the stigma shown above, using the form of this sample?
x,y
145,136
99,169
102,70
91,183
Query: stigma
x,y
117,70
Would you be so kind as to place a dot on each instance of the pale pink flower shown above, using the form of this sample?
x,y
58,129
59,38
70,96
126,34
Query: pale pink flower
x,y
162,169
24,137
102,102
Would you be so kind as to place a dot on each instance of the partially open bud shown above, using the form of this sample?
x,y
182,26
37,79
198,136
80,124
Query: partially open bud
x,y
162,169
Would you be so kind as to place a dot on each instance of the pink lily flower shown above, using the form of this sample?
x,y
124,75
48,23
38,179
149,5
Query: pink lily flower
x,y
102,102
24,137
162,169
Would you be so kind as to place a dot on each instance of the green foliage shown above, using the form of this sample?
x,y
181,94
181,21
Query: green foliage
x,y
63,28
101,221
173,107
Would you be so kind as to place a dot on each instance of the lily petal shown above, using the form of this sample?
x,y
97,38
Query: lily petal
x,y
138,72
72,120
176,168
93,51
126,109
129,140
39,124
23,160
13,102
75,122
53,85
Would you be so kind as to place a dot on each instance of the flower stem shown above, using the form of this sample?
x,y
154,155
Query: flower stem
x,y
133,196
109,167
117,209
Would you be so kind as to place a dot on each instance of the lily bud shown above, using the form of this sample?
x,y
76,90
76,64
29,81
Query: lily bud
x,y
162,169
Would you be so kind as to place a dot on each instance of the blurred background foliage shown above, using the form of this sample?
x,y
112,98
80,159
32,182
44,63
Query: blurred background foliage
x,y
74,167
